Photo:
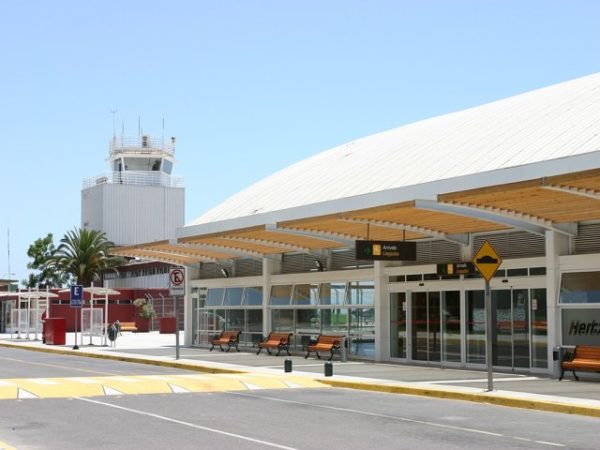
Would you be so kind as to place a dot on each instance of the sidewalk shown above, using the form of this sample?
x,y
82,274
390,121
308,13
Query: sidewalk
x,y
524,391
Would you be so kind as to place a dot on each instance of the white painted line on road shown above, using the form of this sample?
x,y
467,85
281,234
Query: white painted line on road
x,y
386,416
251,387
111,391
42,381
549,443
293,385
177,389
85,380
125,379
6,383
480,380
22,393
187,424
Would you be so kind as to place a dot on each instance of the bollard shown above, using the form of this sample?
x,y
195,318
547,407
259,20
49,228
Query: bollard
x,y
328,369
287,365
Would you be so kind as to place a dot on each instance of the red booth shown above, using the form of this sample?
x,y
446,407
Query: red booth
x,y
55,331
166,325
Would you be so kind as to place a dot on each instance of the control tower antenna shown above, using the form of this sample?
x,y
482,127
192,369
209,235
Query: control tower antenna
x,y
113,112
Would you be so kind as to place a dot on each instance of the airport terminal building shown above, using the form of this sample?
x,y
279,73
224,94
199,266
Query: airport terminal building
x,y
521,173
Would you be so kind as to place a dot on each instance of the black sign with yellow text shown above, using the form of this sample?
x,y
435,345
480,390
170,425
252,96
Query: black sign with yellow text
x,y
386,250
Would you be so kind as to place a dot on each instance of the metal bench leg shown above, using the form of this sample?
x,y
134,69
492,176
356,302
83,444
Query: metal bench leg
x,y
562,374
211,349
317,353
331,357
259,349
576,377
287,349
307,353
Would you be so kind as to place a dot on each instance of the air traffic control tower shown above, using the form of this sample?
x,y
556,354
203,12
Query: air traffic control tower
x,y
139,200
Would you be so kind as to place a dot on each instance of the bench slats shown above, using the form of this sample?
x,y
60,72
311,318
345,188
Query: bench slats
x,y
324,343
585,358
231,338
278,340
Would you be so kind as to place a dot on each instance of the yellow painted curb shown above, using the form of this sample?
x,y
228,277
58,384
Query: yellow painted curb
x,y
4,446
484,397
172,364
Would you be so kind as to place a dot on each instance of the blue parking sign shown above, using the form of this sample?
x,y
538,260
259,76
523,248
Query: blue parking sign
x,y
76,296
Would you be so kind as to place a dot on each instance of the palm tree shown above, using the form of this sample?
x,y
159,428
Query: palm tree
x,y
84,254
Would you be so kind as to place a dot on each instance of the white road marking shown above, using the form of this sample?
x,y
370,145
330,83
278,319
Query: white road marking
x,y
6,383
42,381
251,387
125,379
85,380
178,389
481,380
293,385
187,424
111,391
386,416
549,443
22,393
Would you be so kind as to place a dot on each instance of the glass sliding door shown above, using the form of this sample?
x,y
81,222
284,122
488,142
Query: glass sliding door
x,y
475,327
521,335
426,330
539,329
398,325
502,348
451,326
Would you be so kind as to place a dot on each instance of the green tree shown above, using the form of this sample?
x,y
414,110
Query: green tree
x,y
40,252
84,255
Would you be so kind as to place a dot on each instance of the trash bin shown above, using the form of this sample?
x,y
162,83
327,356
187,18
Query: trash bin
x,y
55,331
556,361
166,325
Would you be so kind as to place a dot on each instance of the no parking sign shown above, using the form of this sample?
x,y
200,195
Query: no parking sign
x,y
176,282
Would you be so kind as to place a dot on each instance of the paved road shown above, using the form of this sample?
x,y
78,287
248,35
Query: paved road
x,y
256,416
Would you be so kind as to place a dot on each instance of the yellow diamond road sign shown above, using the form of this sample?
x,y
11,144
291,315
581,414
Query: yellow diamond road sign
x,y
487,260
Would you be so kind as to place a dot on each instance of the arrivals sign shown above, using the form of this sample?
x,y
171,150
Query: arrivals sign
x,y
461,268
386,250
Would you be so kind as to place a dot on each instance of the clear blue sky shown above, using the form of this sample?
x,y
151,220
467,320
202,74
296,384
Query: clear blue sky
x,y
248,86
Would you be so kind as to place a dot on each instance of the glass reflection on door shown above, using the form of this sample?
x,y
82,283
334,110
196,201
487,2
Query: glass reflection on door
x,y
426,334
398,325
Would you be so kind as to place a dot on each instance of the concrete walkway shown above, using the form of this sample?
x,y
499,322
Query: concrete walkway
x,y
515,390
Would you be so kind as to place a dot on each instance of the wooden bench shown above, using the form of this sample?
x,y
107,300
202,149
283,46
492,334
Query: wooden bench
x,y
128,326
230,338
324,343
584,358
280,341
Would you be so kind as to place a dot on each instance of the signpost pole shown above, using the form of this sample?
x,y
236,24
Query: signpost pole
x,y
488,334
76,347
175,299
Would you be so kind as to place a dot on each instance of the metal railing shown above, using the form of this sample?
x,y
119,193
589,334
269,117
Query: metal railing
x,y
141,144
135,178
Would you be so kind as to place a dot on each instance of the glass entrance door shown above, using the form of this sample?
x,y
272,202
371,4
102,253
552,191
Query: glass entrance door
x,y
510,338
426,329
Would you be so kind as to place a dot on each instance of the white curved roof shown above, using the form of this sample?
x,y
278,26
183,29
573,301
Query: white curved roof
x,y
554,122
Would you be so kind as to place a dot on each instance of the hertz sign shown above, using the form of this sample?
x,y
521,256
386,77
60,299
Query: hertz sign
x,y
386,250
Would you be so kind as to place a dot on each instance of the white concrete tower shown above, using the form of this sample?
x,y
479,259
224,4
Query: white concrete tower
x,y
139,200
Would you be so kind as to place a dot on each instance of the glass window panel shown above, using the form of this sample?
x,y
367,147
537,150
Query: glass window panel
x,y
580,287
144,164
451,326
167,166
335,319
234,319
417,277
280,295
362,320
215,297
332,293
254,296
283,319
308,321
475,327
537,271
361,293
516,272
254,325
233,297
305,294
